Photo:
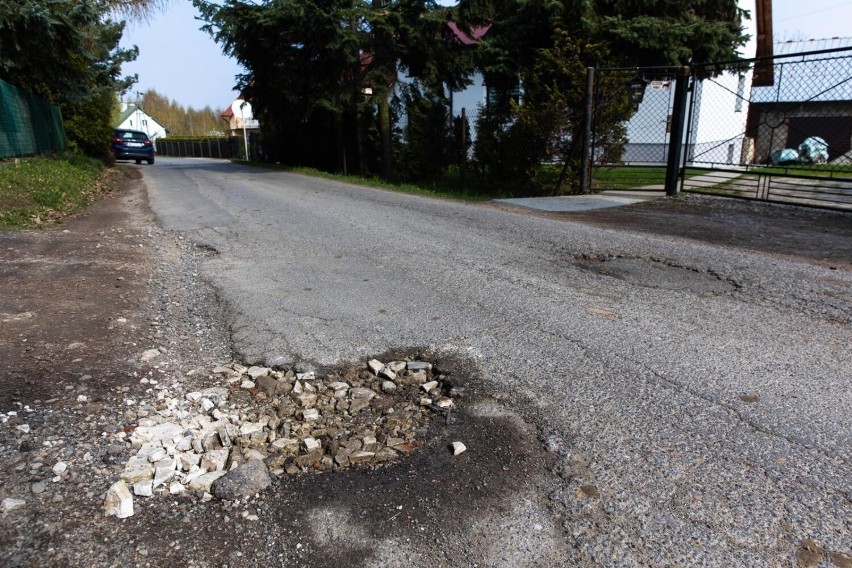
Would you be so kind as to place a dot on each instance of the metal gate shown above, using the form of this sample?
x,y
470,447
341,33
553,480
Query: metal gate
x,y
776,129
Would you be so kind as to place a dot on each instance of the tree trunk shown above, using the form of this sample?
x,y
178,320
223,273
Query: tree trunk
x,y
385,131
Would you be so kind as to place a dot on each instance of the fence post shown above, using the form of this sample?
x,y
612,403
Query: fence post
x,y
586,158
678,124
463,149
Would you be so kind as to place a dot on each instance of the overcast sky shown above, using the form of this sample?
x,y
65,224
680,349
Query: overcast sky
x,y
182,63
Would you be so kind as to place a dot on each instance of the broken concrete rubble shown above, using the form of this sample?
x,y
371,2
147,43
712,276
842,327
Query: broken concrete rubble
x,y
286,422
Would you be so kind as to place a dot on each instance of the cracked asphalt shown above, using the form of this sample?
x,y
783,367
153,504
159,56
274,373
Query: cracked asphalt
x,y
697,397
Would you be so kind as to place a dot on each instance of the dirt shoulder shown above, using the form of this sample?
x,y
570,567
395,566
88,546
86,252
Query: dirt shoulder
x,y
809,235
71,301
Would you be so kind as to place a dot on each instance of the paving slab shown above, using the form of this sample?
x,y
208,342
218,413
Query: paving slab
x,y
563,203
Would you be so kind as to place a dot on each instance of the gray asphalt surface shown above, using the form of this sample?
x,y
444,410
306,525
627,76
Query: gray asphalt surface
x,y
637,351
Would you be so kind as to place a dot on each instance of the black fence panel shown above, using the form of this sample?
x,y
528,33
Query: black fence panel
x,y
218,147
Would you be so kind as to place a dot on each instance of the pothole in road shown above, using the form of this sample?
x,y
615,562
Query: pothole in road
x,y
361,416
654,273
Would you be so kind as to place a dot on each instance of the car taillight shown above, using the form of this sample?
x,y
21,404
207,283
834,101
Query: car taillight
x,y
147,142
117,141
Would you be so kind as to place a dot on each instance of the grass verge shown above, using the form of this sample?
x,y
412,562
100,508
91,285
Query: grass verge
x,y
39,191
633,177
448,187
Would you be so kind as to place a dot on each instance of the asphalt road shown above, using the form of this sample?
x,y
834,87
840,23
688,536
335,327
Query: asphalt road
x,y
705,393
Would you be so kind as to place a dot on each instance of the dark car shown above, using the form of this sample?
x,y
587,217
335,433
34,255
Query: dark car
x,y
132,145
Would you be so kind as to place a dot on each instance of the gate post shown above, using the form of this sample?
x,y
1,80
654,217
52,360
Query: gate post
x,y
586,158
678,124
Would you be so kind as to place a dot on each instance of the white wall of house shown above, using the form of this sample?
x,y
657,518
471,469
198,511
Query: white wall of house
x,y
140,120
471,98
719,120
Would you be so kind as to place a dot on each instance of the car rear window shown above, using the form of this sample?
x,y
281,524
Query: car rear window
x,y
131,135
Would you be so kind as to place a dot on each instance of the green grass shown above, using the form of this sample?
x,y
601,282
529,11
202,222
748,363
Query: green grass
x,y
632,177
448,187
39,191
627,177
452,186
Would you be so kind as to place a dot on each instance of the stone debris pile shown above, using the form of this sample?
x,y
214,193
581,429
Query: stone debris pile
x,y
277,421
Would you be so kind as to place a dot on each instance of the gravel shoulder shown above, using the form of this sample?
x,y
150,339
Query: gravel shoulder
x,y
84,301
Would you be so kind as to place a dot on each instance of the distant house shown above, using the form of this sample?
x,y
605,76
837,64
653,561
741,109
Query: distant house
x,y
808,96
134,118
240,119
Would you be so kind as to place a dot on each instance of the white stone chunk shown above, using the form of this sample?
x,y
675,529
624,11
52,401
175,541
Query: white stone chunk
x,y
253,455
157,433
194,473
216,394
164,471
184,444
311,444
136,469
375,365
362,392
10,504
143,488
249,428
445,402
429,386
215,460
188,459
458,448
60,468
257,372
203,482
157,455
282,443
311,414
149,355
119,501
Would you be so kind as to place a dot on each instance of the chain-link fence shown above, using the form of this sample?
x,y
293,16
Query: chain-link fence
x,y
631,127
28,125
794,111
777,128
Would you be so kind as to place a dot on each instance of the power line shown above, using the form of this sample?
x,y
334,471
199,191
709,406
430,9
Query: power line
x,y
815,12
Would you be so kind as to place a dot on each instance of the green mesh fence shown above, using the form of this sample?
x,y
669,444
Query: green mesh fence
x,y
28,124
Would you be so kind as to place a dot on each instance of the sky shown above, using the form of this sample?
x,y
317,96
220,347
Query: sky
x,y
181,62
